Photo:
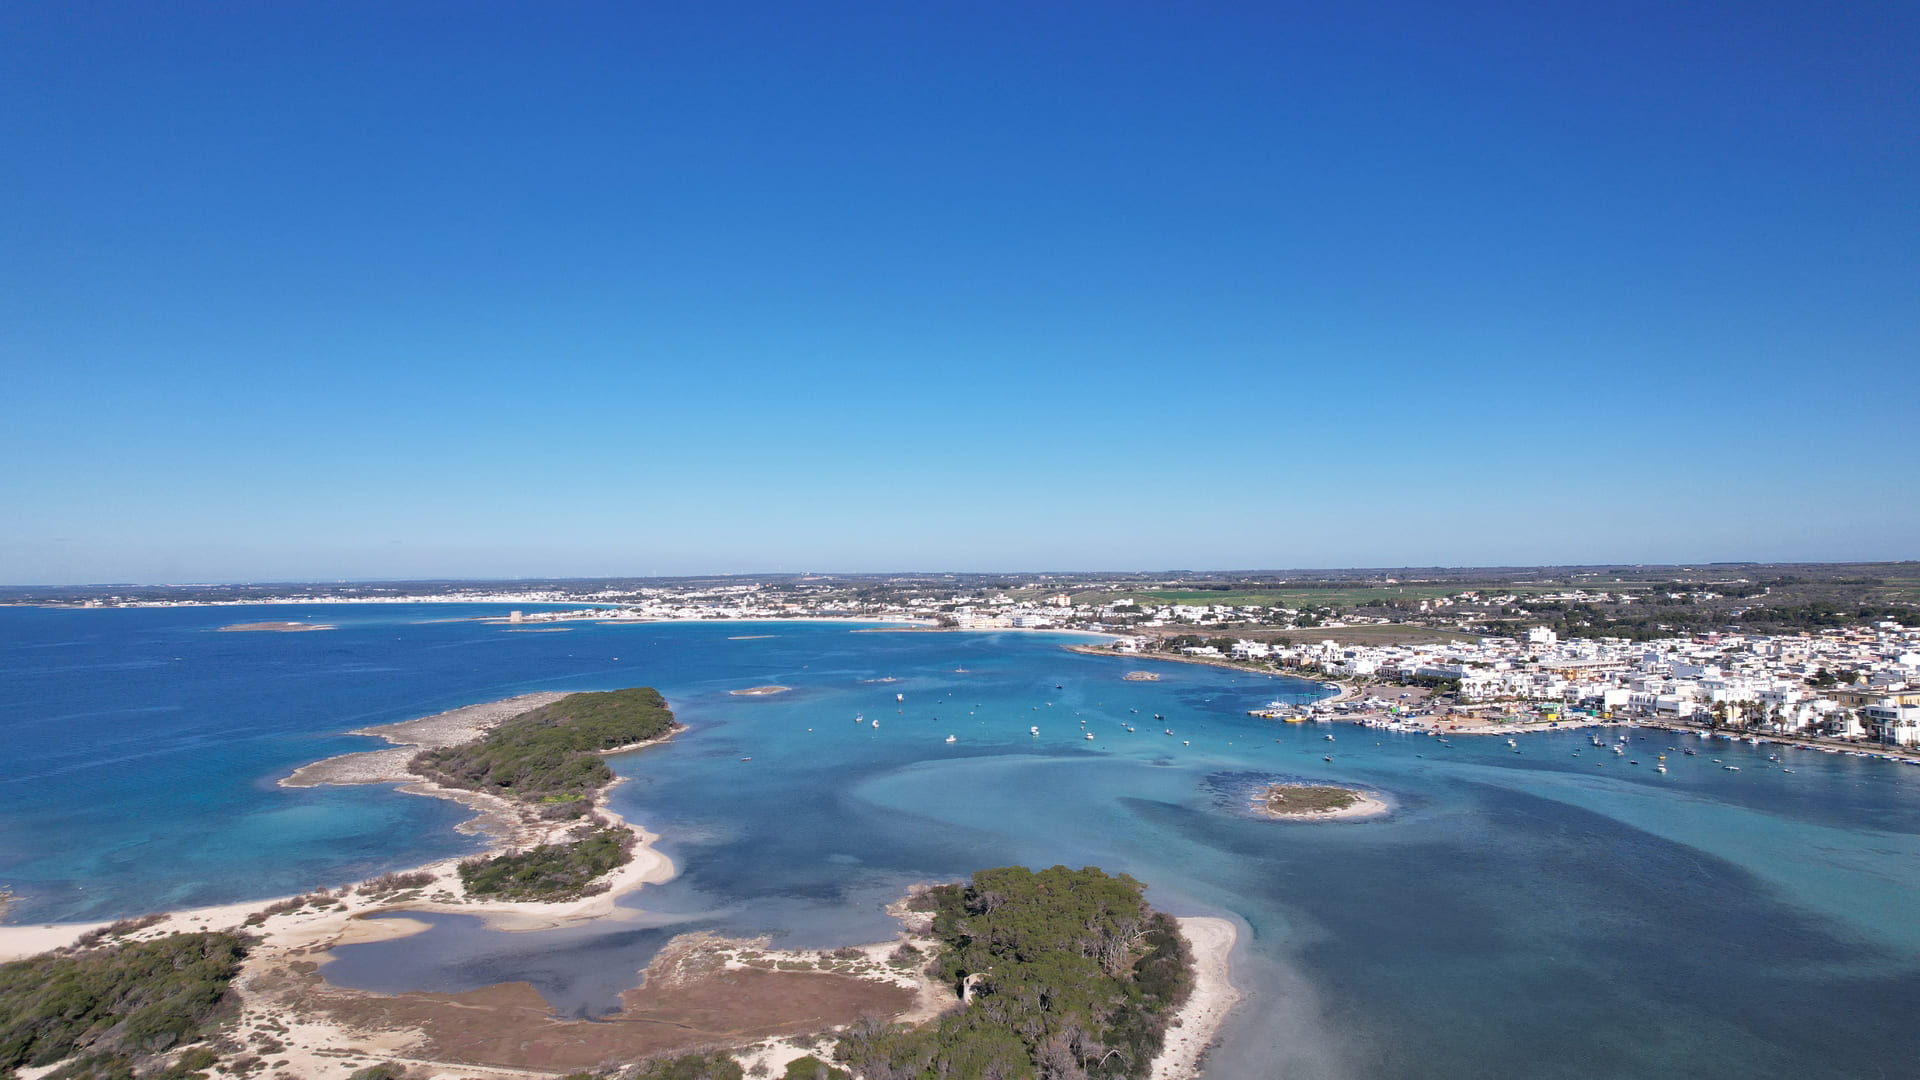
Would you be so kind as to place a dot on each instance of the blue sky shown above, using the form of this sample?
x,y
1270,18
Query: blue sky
x,y
468,289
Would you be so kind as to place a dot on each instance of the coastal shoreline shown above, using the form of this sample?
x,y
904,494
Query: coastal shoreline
x,y
326,1030
495,817
323,1030
1225,665
1197,1023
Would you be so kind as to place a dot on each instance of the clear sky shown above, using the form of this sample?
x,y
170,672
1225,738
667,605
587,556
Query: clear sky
x,y
294,291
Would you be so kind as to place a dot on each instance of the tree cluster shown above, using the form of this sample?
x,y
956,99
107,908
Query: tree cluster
x,y
114,1007
550,871
552,753
1069,975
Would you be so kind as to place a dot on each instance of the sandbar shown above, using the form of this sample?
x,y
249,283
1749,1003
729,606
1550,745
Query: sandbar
x,y
760,691
273,627
1193,1028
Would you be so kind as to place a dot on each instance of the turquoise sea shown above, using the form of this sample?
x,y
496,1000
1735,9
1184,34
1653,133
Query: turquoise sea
x,y
1546,913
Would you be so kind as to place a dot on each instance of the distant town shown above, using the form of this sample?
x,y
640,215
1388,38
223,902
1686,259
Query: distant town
x,y
1819,651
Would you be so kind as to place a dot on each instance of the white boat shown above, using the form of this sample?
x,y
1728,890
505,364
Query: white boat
x,y
1659,768
859,719
1731,768
1089,736
1034,731
876,723
899,697
953,738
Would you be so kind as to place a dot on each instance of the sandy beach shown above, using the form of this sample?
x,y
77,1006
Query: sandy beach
x,y
1214,996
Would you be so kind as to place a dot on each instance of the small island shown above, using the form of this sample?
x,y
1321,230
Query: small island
x,y
760,691
1316,802
272,627
533,767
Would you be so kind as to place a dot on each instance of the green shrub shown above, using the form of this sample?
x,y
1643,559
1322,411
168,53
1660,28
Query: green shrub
x,y
550,871
812,1068
111,1005
715,1066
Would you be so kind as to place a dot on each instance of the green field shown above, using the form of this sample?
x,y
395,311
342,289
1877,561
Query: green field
x,y
1390,634
1292,598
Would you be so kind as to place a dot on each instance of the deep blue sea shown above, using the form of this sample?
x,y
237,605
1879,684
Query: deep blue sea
x,y
1547,913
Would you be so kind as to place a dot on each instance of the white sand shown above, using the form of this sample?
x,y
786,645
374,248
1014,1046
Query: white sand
x,y
1214,996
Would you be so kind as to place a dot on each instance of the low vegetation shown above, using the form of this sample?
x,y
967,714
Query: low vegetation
x,y
552,753
101,935
809,1067
717,1065
1069,975
389,884
550,871
1294,799
320,900
116,1007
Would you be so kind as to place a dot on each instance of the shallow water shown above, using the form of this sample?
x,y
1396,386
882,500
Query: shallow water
x,y
1555,912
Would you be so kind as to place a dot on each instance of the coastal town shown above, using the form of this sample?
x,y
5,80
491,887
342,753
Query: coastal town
x,y
1806,651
